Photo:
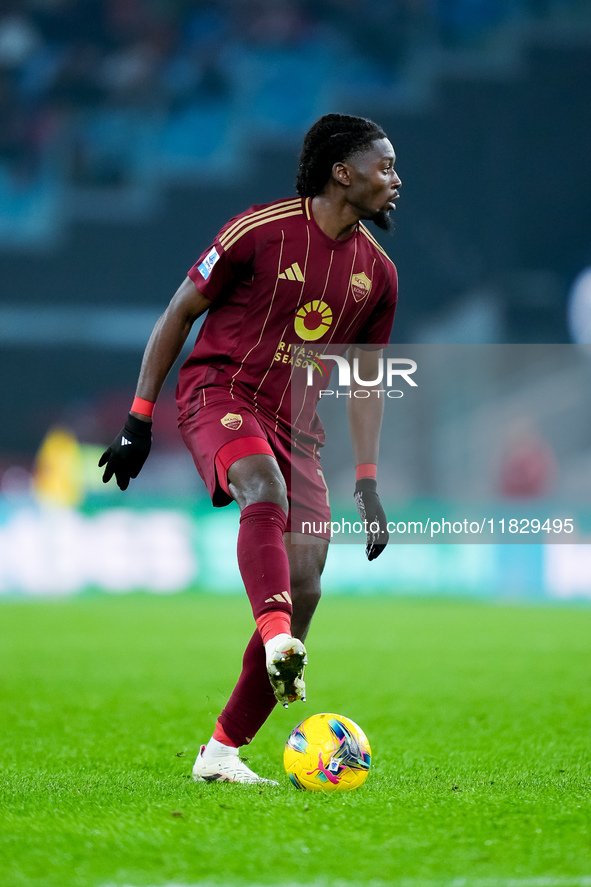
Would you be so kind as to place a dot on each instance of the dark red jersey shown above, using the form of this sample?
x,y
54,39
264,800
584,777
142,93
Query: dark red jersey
x,y
284,293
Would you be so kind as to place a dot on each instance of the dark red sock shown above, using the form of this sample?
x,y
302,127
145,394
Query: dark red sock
x,y
264,568
262,558
252,700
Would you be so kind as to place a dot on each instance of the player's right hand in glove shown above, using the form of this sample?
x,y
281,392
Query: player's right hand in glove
x,y
128,452
370,510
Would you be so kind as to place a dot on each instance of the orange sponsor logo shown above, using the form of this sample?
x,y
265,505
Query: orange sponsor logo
x,y
313,320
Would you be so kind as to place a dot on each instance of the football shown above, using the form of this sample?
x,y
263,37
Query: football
x,y
327,753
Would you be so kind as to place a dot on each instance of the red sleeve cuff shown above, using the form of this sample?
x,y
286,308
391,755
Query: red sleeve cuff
x,y
142,406
366,469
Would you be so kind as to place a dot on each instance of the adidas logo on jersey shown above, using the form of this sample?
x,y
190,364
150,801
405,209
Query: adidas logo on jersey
x,y
125,442
294,272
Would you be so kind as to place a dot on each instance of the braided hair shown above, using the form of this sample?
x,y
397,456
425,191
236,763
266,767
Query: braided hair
x,y
333,138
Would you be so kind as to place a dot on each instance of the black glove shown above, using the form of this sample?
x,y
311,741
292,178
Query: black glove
x,y
370,509
128,452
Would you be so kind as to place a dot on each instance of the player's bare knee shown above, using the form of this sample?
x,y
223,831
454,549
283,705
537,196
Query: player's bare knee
x,y
261,491
256,479
269,490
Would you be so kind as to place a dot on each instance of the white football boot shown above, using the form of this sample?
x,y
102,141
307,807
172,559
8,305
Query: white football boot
x,y
220,763
286,660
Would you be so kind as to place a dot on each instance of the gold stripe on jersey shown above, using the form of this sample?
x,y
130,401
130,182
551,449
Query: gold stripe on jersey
x,y
372,239
345,300
275,218
285,390
308,205
282,336
290,203
271,301
284,205
346,332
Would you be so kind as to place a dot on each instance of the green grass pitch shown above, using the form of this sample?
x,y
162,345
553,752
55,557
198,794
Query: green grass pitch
x,y
479,717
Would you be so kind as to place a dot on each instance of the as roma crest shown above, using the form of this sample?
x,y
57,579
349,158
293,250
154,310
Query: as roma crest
x,y
360,286
233,421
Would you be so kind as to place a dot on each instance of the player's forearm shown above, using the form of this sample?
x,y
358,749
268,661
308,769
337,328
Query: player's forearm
x,y
365,413
164,346
365,422
167,339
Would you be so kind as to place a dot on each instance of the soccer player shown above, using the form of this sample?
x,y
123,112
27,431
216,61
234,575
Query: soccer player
x,y
282,283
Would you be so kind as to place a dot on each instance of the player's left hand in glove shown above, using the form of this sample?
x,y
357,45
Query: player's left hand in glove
x,y
128,452
370,510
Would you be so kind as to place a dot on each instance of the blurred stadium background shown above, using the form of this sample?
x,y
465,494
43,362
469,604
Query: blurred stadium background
x,y
130,130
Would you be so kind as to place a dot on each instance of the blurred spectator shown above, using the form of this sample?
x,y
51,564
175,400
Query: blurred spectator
x,y
61,60
195,67
270,22
57,478
380,28
528,468
19,37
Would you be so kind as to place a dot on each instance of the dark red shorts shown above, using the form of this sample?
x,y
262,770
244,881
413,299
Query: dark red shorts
x,y
223,420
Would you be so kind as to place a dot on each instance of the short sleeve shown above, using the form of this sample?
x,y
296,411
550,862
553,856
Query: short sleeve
x,y
219,268
378,327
